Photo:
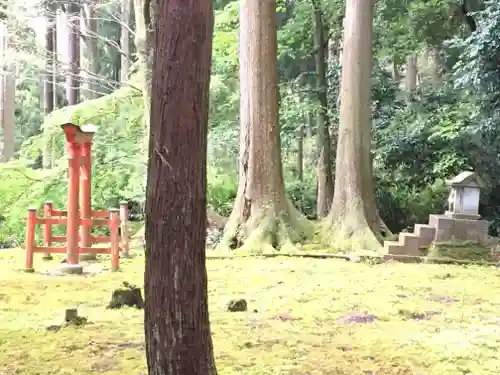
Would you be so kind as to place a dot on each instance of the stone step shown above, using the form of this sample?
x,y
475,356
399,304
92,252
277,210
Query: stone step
x,y
411,242
426,233
394,248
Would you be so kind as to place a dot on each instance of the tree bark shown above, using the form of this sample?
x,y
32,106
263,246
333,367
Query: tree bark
x,y
145,21
324,194
90,38
48,83
263,219
395,71
8,114
353,219
177,330
125,40
7,93
300,153
411,74
73,79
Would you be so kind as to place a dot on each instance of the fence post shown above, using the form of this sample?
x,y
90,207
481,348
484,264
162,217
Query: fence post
x,y
114,223
47,229
124,228
30,239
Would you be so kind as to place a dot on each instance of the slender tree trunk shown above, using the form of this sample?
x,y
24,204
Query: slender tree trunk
x,y
411,74
437,63
8,114
176,321
263,219
7,92
48,83
351,218
90,38
73,79
309,124
396,75
300,153
125,40
145,21
324,194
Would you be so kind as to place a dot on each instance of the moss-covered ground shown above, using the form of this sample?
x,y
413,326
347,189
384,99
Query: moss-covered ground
x,y
411,319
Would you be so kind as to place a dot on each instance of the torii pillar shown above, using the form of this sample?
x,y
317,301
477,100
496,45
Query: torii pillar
x,y
79,144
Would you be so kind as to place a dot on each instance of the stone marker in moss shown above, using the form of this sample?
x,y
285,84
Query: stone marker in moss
x,y
236,305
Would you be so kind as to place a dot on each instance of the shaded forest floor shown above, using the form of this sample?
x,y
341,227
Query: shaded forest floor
x,y
305,316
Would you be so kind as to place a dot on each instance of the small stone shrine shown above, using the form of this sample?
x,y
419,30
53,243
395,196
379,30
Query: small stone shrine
x,y
461,221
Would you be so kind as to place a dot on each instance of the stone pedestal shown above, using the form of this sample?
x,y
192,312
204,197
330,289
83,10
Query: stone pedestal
x,y
457,227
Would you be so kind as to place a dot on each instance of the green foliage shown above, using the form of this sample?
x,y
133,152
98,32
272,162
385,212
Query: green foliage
x,y
117,168
221,190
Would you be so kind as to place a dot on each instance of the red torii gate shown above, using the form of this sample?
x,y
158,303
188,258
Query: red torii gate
x,y
79,213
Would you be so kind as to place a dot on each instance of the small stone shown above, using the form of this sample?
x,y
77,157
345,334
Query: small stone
x,y
70,315
237,305
345,348
71,269
130,296
54,328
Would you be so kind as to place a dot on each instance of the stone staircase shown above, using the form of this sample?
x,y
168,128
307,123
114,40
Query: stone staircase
x,y
409,244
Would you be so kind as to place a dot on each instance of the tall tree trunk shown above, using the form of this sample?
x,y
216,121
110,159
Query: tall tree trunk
x,y
300,153
73,79
353,219
263,219
145,21
8,114
411,74
324,194
437,64
176,321
7,92
90,38
48,83
125,40
396,75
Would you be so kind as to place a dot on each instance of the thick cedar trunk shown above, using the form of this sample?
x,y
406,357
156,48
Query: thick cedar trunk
x,y
353,214
177,330
324,194
263,219
73,79
90,38
125,40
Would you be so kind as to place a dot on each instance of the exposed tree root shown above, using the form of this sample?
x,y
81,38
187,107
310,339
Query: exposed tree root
x,y
266,231
349,232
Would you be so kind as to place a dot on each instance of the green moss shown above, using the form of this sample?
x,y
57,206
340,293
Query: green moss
x,y
461,251
311,294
